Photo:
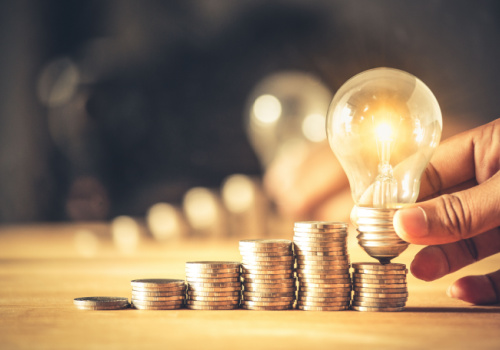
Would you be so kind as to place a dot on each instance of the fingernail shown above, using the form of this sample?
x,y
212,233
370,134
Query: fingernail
x,y
449,292
411,222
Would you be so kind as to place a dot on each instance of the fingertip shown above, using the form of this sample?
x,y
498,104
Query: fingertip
x,y
474,289
430,264
411,224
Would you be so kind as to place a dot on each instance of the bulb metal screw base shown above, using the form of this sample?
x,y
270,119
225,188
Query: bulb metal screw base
x,y
376,233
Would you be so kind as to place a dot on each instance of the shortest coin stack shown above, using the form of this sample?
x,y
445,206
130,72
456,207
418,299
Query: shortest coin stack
x,y
379,287
101,303
213,285
158,294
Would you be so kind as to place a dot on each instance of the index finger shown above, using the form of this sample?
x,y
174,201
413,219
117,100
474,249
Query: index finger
x,y
457,160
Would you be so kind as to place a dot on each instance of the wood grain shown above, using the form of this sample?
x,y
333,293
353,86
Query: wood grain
x,y
42,270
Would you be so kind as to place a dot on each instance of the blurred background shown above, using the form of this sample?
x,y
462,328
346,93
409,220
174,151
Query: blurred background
x,y
162,110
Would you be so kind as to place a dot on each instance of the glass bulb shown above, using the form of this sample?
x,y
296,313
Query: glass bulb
x,y
285,114
383,125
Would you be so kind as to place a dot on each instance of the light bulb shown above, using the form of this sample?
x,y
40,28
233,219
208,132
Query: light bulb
x,y
383,125
285,114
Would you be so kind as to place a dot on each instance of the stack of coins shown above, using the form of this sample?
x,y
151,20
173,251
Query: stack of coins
x,y
158,294
101,303
379,287
213,285
268,274
322,266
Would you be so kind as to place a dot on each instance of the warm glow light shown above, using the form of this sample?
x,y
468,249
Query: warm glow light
x,y
86,243
126,234
383,132
267,109
313,127
200,207
238,193
164,221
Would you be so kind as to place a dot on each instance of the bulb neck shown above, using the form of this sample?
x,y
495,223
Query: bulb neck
x,y
376,233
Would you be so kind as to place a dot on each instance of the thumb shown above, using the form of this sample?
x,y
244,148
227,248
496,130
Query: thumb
x,y
451,217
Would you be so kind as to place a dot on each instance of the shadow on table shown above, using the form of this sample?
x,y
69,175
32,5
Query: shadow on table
x,y
492,309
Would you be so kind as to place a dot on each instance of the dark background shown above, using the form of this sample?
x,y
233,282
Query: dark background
x,y
158,101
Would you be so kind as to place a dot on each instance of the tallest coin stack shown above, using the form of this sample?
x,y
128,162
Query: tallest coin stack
x,y
322,266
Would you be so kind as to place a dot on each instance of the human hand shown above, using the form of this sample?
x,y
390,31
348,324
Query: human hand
x,y
460,221
310,185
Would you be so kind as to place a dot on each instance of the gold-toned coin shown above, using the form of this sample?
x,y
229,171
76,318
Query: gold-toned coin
x,y
322,257
379,304
162,307
309,294
322,268
316,272
361,299
215,284
159,293
287,299
149,298
191,293
203,271
322,308
96,302
331,304
377,272
266,303
380,290
213,289
324,290
377,309
212,303
267,308
212,280
306,248
329,245
306,276
268,254
251,277
326,280
344,263
378,266
380,295
304,237
157,303
212,307
320,225
266,272
97,307
379,281
324,285
263,294
159,290
202,298
307,254
325,300
312,282
268,290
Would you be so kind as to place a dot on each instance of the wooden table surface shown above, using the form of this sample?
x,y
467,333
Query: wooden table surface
x,y
43,267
